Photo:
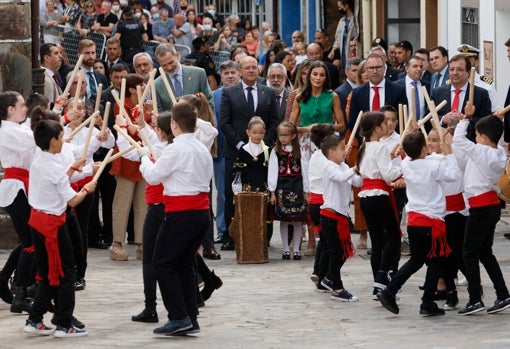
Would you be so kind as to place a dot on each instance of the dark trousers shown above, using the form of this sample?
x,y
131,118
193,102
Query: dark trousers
x,y
419,243
19,211
64,293
153,220
478,241
83,212
455,229
208,240
177,242
229,194
73,227
12,261
334,247
106,187
384,233
321,263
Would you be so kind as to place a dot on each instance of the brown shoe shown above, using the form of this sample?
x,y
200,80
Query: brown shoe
x,y
118,253
210,253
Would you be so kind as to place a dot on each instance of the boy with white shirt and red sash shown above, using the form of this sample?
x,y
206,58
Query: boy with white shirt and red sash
x,y
49,196
185,168
485,164
426,228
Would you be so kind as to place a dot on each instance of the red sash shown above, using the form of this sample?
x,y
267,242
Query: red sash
x,y
79,184
186,202
315,199
344,234
376,183
48,225
17,173
485,199
154,194
455,202
439,244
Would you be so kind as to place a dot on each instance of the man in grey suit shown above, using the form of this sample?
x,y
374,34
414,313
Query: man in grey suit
x,y
277,78
183,79
239,103
51,59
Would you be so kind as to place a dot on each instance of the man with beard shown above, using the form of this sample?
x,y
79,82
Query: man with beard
x,y
276,78
87,48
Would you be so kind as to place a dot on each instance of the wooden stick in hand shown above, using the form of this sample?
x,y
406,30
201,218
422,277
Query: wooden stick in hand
x,y
98,97
105,116
73,75
128,137
471,86
82,125
121,153
433,111
167,85
354,131
103,165
89,136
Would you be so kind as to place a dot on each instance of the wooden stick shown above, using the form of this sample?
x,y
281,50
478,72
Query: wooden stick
x,y
89,136
121,153
422,128
413,103
82,125
354,130
139,95
122,111
406,116
429,115
126,136
78,87
472,86
400,118
73,75
504,110
406,130
147,141
167,85
433,111
105,116
103,165
154,98
141,99
98,96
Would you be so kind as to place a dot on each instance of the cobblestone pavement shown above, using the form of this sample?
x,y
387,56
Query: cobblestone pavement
x,y
271,305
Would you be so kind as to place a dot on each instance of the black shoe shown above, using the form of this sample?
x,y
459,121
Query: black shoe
x,y
210,285
172,327
74,321
210,253
297,256
430,309
99,244
388,301
21,303
228,245
382,280
286,255
194,329
507,235
146,316
472,308
441,295
5,292
499,305
451,301
80,285
219,240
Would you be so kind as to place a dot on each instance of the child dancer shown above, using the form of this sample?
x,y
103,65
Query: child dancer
x,y
185,169
376,200
288,184
485,164
426,227
338,179
16,151
50,193
315,172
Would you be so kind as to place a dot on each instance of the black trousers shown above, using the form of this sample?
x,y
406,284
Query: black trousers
x,y
321,263
83,212
151,225
455,229
106,187
478,241
64,293
334,247
419,243
177,242
19,211
384,232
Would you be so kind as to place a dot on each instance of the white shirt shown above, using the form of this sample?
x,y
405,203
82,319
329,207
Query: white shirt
x,y
315,172
376,164
17,148
185,167
390,143
50,189
484,165
338,180
423,178
421,98
67,157
272,171
462,95
80,138
382,98
490,88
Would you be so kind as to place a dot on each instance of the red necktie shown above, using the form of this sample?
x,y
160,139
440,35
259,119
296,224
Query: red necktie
x,y
455,104
376,102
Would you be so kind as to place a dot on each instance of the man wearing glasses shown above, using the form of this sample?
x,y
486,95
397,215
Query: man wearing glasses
x,y
377,92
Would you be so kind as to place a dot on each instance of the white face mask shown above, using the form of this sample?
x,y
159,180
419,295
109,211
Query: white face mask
x,y
212,12
155,16
123,3
207,27
138,15
115,8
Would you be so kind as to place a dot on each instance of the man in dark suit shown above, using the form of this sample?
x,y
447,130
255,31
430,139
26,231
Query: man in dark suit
x,y
87,48
457,95
439,63
277,78
424,54
413,78
377,92
113,53
239,103
391,73
343,91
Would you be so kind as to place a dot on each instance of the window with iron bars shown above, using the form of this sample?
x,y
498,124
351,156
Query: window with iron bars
x,y
243,8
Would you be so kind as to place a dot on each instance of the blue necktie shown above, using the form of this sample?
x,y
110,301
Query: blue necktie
x,y
251,102
177,86
417,99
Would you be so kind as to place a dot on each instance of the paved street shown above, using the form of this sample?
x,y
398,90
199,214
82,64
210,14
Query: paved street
x,y
271,305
